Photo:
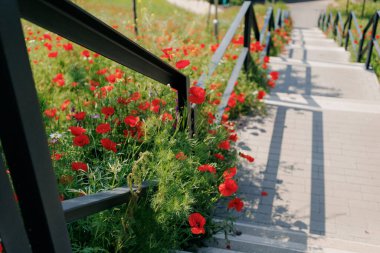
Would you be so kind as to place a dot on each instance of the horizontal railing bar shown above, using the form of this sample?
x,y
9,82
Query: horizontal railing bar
x,y
70,21
84,206
231,84
224,44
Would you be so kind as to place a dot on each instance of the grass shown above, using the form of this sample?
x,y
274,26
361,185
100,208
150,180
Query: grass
x,y
142,139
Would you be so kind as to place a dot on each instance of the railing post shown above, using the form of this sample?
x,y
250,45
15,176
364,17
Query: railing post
x,y
247,34
24,141
216,21
348,29
360,49
373,37
135,16
254,24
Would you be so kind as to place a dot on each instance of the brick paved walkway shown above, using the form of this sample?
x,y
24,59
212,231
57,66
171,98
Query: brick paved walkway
x,y
318,150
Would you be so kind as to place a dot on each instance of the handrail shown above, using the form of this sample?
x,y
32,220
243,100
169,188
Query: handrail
x,y
359,50
79,26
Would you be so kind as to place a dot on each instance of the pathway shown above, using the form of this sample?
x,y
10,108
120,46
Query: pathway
x,y
317,152
195,6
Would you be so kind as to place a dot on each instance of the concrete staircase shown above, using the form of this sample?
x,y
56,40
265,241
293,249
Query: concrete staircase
x,y
315,156
317,153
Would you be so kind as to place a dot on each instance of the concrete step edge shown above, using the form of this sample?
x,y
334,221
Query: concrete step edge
x,y
217,250
285,60
246,243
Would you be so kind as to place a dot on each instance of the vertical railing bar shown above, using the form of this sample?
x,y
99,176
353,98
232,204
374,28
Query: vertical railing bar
x,y
12,230
135,16
371,42
348,31
255,26
24,141
247,34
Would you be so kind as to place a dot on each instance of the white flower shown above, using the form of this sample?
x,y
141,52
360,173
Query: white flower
x,y
55,135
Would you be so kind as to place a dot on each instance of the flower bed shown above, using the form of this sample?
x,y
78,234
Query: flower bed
x,y
108,126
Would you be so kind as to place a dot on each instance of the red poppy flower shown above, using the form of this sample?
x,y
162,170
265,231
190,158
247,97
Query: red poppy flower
x,y
65,104
266,59
271,83
248,157
48,46
261,94
50,112
241,98
233,137
274,75
236,203
53,54
81,140
197,223
135,96
108,111
182,64
108,144
76,166
264,193
207,167
86,53
77,130
166,117
144,106
56,157
103,128
80,115
181,156
211,118
59,79
231,102
68,47
131,121
197,95
228,187
229,173
111,78
219,156
47,36
224,145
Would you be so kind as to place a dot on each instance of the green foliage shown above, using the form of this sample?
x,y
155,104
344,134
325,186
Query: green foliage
x,y
156,148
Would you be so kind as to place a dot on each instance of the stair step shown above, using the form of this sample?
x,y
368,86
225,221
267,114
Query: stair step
x,y
217,250
315,42
297,62
271,232
332,47
335,55
255,244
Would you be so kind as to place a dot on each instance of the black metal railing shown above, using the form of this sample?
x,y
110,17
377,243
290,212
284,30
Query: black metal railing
x,y
344,33
38,222
263,36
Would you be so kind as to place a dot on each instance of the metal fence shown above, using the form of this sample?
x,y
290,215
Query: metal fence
x,y
37,221
344,33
